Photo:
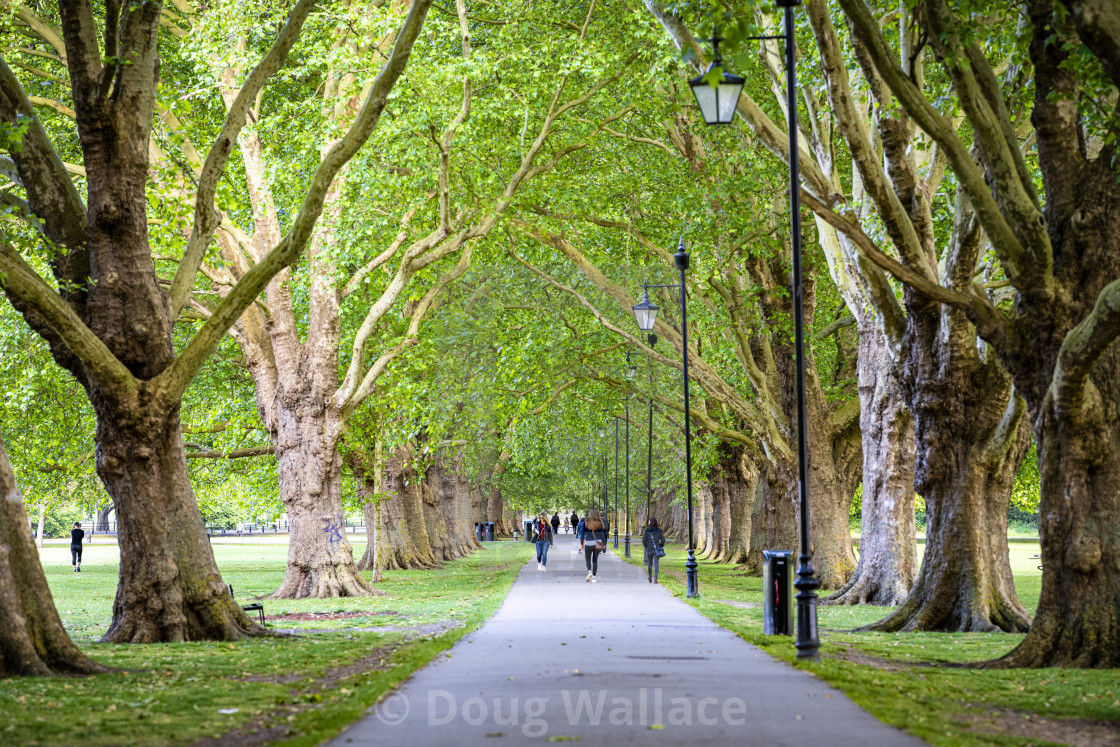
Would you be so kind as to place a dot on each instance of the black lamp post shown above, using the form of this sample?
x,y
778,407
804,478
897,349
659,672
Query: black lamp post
x,y
630,371
652,338
595,498
646,314
808,644
616,483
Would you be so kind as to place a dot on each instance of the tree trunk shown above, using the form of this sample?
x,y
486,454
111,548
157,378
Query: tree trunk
x,y
970,435
670,515
320,558
437,489
101,520
702,520
494,509
833,557
368,470
833,443
32,639
402,517
170,589
462,507
371,558
1077,623
773,517
477,509
369,493
888,560
42,522
721,507
732,495
739,537
1076,427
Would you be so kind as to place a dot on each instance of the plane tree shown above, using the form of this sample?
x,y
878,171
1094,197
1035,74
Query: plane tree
x,y
1047,204
88,285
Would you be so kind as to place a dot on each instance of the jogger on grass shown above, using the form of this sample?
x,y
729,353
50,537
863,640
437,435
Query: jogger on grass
x,y
77,534
593,541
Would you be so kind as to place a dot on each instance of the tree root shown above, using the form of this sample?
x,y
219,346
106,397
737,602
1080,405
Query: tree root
x,y
327,582
865,588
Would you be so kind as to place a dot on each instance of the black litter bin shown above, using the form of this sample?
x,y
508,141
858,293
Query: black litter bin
x,y
529,531
489,531
777,592
478,531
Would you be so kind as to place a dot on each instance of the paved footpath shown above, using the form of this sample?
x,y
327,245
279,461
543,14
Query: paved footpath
x,y
603,663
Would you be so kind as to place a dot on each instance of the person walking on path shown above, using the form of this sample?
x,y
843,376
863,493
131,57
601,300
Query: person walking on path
x,y
593,541
575,521
77,534
556,523
653,540
565,525
542,535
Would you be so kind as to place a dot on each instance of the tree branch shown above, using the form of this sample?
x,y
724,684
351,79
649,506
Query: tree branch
x,y
875,182
990,323
206,216
363,272
17,278
1098,27
982,101
1085,343
1013,254
412,336
253,451
51,193
179,374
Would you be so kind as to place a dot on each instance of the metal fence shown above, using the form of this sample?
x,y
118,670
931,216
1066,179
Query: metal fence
x,y
94,529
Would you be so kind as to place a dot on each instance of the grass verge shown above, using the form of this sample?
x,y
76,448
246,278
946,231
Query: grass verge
x,y
914,680
298,690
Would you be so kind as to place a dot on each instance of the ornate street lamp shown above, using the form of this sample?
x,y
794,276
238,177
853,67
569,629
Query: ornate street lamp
x,y
646,314
808,645
716,90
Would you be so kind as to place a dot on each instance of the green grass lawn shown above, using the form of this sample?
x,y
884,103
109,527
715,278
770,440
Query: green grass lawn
x,y
303,688
913,680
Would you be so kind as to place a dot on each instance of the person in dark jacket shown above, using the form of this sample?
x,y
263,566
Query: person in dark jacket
x,y
653,539
542,535
77,534
575,520
592,542
556,523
